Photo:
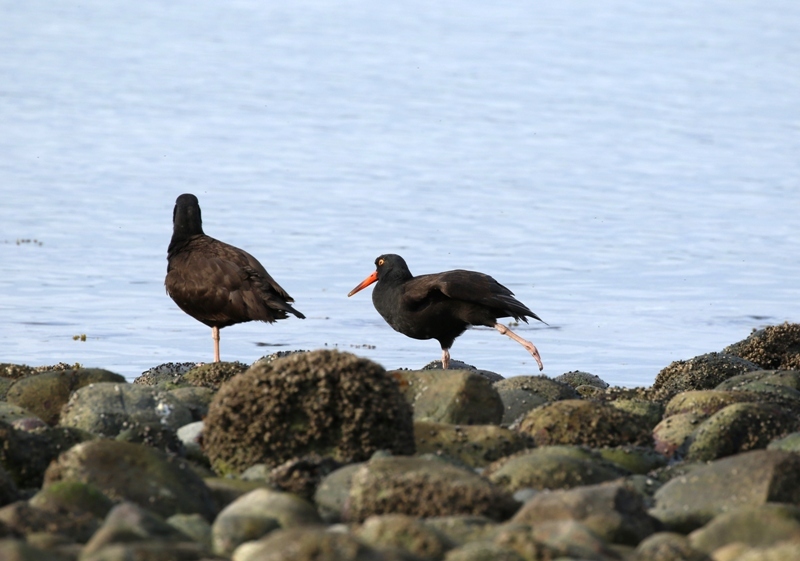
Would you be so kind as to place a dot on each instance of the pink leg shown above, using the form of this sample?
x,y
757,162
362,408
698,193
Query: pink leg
x,y
215,336
527,344
445,359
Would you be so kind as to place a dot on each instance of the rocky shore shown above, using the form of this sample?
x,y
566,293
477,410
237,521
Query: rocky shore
x,y
324,455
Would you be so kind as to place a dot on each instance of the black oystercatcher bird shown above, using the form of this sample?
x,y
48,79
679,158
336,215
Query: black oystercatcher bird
x,y
441,306
216,283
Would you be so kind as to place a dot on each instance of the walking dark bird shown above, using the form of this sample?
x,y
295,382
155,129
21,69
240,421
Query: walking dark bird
x,y
441,306
216,283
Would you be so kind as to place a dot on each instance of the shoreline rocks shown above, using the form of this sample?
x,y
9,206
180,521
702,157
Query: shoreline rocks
x,y
325,455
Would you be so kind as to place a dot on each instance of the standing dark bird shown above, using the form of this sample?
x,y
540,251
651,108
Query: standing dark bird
x,y
441,306
216,283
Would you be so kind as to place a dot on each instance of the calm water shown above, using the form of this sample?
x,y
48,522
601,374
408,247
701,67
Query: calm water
x,y
630,172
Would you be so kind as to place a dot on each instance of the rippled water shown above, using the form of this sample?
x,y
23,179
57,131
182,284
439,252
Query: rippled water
x,y
630,172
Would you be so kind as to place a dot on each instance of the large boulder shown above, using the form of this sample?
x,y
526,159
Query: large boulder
x,y
108,408
520,394
325,402
747,479
46,393
776,346
137,473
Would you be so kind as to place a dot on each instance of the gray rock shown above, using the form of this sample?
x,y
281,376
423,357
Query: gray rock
x,y
191,436
459,365
576,378
459,397
333,493
462,529
613,511
667,546
307,544
789,443
196,399
474,445
257,513
748,479
552,467
108,408
423,487
194,526
482,551
520,394
22,519
757,526
10,413
673,433
137,473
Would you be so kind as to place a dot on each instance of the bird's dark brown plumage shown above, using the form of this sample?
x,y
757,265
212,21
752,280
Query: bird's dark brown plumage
x,y
441,306
216,283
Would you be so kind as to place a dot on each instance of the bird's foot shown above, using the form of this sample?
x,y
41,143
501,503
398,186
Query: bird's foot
x,y
531,348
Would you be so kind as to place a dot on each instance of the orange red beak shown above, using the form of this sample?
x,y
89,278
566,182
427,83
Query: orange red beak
x,y
364,284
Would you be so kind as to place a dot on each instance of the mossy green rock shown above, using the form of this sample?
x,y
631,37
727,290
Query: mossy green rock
x,y
635,459
671,435
650,412
789,443
423,487
746,479
589,423
134,472
520,394
325,402
738,428
704,403
25,455
475,445
756,526
776,346
46,393
552,467
307,544
483,551
462,529
667,546
459,397
10,413
70,496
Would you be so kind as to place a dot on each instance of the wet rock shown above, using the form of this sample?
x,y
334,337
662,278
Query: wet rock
x,y
667,546
635,459
214,374
756,526
738,428
673,433
423,487
257,513
45,394
22,519
552,467
132,532
458,365
108,408
591,423
458,397
613,511
747,479
475,445
776,346
520,394
195,399
702,372
576,378
137,473
307,544
25,455
397,531
302,476
325,402
462,529
482,551
166,376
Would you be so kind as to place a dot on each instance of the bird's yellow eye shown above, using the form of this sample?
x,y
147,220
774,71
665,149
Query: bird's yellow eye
x,y
380,262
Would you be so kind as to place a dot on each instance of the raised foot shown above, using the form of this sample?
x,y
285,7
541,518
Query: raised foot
x,y
531,348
